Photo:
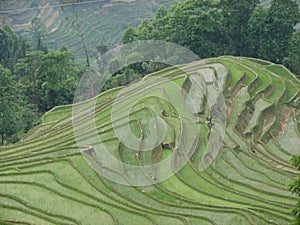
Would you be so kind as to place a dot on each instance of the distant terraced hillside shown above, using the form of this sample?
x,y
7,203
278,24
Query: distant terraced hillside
x,y
46,180
102,21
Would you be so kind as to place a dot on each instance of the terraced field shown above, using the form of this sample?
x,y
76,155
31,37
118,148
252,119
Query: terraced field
x,y
101,21
49,179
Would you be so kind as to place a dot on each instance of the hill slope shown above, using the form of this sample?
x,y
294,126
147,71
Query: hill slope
x,y
101,21
46,180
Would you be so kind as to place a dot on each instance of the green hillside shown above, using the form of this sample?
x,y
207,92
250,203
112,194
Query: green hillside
x,y
101,21
46,178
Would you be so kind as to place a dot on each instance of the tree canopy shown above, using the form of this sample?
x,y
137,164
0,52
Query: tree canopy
x,y
32,80
234,27
9,116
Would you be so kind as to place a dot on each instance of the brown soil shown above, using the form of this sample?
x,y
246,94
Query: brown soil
x,y
287,112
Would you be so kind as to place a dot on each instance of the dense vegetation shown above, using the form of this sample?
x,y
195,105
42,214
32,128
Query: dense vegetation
x,y
226,27
32,81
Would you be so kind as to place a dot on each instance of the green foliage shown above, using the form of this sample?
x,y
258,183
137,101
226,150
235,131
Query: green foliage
x,y
129,36
12,47
294,54
257,32
296,162
17,112
57,75
234,27
9,116
193,24
236,14
36,81
26,73
282,17
48,79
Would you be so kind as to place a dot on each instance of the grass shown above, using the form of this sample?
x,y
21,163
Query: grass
x,y
46,180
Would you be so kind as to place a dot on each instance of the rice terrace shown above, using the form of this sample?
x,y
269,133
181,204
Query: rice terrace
x,y
212,141
46,180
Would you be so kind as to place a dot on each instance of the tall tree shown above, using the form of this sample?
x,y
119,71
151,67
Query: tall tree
x,y
160,22
195,24
9,116
257,32
236,14
294,54
57,76
78,28
12,47
129,36
282,17
26,73
5,43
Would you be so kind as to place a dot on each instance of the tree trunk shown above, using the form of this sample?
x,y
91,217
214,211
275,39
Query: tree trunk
x,y
88,66
35,93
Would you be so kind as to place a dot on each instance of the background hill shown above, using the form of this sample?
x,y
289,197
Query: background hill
x,y
101,21
45,179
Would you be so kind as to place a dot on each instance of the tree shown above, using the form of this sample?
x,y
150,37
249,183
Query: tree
x,y
295,188
129,36
5,43
26,73
57,77
282,17
236,14
195,24
77,27
160,22
12,47
145,30
257,32
9,116
294,54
